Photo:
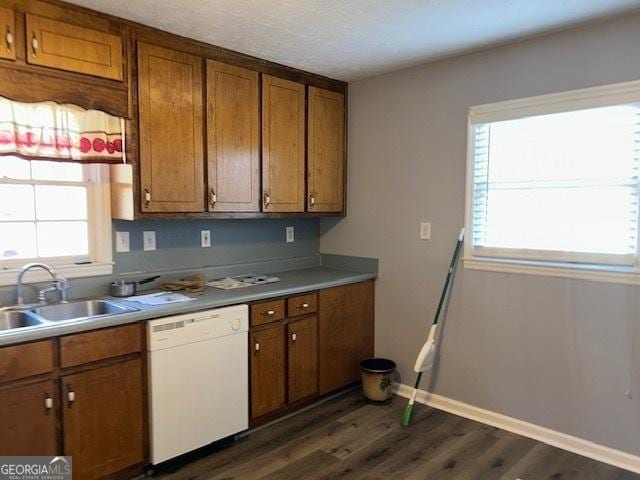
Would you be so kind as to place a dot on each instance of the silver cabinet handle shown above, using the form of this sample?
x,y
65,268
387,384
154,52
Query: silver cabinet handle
x,y
147,197
303,305
312,200
267,200
257,347
34,44
8,38
212,197
294,336
269,312
71,395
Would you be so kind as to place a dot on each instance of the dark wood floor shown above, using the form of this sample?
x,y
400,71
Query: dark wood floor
x,y
348,439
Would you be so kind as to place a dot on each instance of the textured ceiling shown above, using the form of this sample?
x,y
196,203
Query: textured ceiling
x,y
354,39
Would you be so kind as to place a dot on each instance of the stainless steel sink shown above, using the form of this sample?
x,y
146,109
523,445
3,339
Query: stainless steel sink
x,y
63,312
15,319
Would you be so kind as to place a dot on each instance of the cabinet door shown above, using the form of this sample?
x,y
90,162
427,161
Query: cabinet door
x,y
7,33
233,142
55,44
283,146
102,419
325,151
171,130
303,358
27,420
267,365
345,332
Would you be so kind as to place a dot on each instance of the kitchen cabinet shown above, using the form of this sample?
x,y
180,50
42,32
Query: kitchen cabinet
x,y
267,365
283,354
233,138
56,44
345,333
283,145
171,130
302,353
28,420
81,395
325,151
102,419
8,33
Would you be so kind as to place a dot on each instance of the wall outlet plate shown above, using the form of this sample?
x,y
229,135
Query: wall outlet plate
x,y
149,241
291,236
122,242
205,238
425,230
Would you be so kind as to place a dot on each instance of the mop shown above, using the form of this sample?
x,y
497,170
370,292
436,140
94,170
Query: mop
x,y
427,355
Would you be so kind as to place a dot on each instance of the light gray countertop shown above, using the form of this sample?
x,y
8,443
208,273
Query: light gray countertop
x,y
291,282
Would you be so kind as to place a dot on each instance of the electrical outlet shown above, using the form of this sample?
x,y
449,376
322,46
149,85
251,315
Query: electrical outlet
x,y
425,230
205,238
149,240
122,242
291,237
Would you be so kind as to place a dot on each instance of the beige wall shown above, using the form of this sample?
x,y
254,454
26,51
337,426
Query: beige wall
x,y
556,352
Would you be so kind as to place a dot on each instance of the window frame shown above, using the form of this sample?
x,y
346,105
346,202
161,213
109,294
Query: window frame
x,y
100,257
596,267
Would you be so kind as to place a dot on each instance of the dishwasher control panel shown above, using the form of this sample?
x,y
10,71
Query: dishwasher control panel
x,y
194,327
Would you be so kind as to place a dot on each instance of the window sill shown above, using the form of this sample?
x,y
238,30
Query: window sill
x,y
9,276
594,273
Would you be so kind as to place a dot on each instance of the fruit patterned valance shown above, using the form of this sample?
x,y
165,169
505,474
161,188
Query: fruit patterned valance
x,y
64,133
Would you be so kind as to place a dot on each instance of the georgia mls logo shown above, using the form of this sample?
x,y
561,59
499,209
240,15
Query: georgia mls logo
x,y
35,468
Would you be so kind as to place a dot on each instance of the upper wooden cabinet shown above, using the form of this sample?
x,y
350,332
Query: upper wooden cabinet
x,y
171,130
233,141
7,34
55,44
325,151
283,145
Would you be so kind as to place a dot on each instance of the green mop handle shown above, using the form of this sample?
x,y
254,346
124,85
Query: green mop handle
x,y
452,266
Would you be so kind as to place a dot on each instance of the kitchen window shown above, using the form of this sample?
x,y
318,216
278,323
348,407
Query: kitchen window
x,y
56,213
553,184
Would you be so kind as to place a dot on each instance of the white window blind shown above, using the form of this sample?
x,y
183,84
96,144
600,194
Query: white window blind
x,y
559,187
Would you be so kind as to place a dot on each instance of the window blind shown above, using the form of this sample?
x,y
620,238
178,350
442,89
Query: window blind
x,y
559,187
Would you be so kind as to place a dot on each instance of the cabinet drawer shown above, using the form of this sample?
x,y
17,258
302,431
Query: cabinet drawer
x,y
302,304
267,312
55,44
20,361
92,346
8,33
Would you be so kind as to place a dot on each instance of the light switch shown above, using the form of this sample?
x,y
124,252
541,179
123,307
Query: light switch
x,y
149,240
205,238
122,242
425,230
291,237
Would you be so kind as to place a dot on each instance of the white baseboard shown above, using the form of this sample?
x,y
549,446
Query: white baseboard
x,y
573,444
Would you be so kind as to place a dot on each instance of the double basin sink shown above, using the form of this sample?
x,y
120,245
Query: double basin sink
x,y
61,312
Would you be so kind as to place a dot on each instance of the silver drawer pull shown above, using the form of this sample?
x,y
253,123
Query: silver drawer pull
x,y
294,337
257,347
303,305
269,312
48,402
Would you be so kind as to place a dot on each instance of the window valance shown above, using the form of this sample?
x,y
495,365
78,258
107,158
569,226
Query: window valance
x,y
60,132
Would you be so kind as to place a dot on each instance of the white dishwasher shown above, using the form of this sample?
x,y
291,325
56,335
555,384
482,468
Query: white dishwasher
x,y
198,379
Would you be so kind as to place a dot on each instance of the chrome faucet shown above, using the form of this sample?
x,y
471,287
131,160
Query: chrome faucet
x,y
59,284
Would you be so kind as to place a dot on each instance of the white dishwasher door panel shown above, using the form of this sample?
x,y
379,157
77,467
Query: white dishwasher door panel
x,y
199,394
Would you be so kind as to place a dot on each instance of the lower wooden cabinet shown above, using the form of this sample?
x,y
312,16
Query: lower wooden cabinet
x,y
28,420
345,333
302,352
267,363
102,419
